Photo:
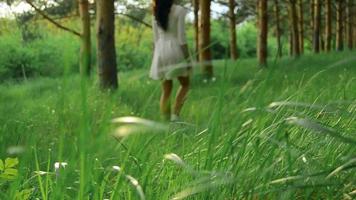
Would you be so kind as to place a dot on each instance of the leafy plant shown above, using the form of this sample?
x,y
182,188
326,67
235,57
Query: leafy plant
x,y
23,194
7,169
8,173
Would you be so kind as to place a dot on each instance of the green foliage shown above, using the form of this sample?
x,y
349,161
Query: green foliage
x,y
133,46
48,55
8,172
54,52
246,41
15,60
62,8
24,194
39,49
219,40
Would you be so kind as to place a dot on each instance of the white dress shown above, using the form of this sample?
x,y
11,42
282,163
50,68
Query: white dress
x,y
168,59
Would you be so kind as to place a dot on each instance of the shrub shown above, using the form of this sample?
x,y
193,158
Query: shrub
x,y
48,55
16,60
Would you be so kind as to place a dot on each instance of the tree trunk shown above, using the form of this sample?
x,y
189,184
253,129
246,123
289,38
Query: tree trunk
x,y
204,39
196,27
349,21
322,41
312,15
317,21
301,25
77,8
232,17
354,26
85,51
263,32
328,25
291,45
339,26
106,53
278,28
345,24
295,30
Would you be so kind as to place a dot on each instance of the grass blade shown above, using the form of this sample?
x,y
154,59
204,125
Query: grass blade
x,y
213,183
316,127
137,186
351,163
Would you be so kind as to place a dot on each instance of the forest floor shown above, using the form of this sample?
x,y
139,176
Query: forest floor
x,y
286,132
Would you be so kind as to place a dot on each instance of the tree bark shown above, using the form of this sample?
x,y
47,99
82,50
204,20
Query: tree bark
x,y
301,25
317,21
322,41
232,17
354,27
106,53
77,9
295,27
328,25
278,28
85,51
349,21
196,27
263,32
312,15
204,39
291,45
339,25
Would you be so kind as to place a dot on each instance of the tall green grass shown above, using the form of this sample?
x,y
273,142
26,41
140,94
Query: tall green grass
x,y
286,132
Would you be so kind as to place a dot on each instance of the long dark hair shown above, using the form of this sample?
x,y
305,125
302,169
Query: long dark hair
x,y
161,10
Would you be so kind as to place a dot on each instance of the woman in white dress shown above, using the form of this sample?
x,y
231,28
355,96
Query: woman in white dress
x,y
170,54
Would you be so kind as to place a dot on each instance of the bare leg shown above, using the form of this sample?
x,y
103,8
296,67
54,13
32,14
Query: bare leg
x,y
181,94
165,105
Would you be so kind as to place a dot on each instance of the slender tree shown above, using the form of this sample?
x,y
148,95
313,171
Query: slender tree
x,y
354,27
350,23
278,28
317,24
295,27
232,17
345,23
196,27
204,39
339,25
263,32
328,25
312,15
291,42
322,40
85,55
301,25
106,54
